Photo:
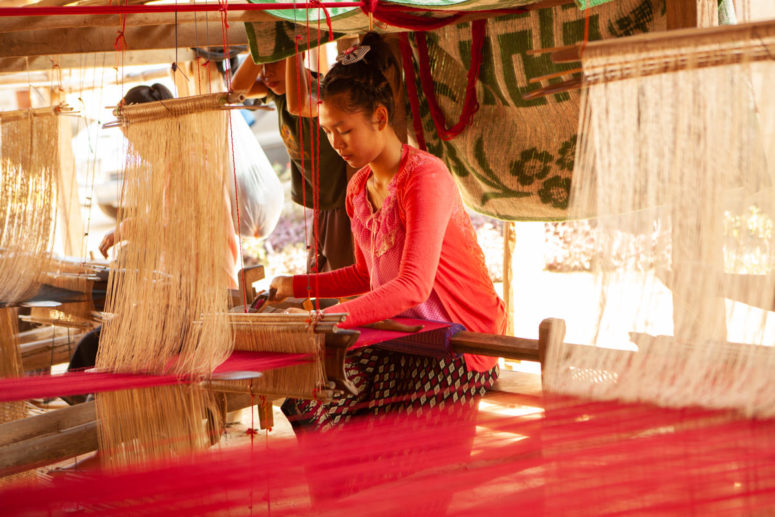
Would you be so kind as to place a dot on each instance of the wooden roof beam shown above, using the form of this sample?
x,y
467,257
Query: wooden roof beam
x,y
203,20
14,65
102,39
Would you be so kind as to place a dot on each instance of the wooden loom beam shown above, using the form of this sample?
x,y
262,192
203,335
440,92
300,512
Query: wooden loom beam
x,y
68,432
47,438
44,353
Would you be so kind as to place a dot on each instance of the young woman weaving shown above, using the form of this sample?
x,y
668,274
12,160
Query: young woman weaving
x,y
416,253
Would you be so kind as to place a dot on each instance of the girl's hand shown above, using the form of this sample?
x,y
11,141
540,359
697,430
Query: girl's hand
x,y
107,242
283,286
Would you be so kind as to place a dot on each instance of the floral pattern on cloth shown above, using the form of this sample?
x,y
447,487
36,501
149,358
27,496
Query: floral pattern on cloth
x,y
381,235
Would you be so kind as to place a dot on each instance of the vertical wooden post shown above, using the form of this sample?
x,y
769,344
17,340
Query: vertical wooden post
x,y
686,14
23,99
265,414
509,243
551,335
69,219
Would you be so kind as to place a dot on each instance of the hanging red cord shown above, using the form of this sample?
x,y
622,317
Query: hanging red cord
x,y
470,104
586,30
320,5
146,9
224,5
300,126
411,89
313,121
317,132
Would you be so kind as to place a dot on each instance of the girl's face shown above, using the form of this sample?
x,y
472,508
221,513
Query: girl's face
x,y
273,76
356,136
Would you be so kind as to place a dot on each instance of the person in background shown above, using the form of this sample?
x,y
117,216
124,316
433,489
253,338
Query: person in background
x,y
331,247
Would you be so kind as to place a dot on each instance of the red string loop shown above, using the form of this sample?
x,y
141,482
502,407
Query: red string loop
x,y
370,6
120,43
318,4
470,104
411,89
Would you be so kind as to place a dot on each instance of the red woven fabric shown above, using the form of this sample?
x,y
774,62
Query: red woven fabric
x,y
75,383
571,458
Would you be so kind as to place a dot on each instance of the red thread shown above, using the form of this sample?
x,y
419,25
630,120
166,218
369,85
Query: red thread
x,y
300,125
604,458
586,31
146,9
411,89
120,43
470,104
315,172
319,5
73,383
317,135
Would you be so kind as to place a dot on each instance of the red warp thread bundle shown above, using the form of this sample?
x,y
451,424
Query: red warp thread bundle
x,y
76,383
575,458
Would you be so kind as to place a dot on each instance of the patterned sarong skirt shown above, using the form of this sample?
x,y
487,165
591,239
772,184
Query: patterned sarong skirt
x,y
391,382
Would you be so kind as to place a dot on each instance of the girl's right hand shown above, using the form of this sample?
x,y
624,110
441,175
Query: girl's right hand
x,y
283,286
107,242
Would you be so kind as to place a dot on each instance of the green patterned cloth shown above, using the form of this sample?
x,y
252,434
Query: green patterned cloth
x,y
586,4
515,160
275,40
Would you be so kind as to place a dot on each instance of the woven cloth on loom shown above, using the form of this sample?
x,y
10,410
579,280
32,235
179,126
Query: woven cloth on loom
x,y
432,340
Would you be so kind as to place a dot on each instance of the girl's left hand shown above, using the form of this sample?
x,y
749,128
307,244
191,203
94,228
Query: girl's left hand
x,y
283,287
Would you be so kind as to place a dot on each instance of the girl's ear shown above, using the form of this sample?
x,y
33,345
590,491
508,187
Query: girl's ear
x,y
381,117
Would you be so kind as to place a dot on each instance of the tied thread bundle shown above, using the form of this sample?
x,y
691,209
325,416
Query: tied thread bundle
x,y
29,168
287,334
674,162
173,269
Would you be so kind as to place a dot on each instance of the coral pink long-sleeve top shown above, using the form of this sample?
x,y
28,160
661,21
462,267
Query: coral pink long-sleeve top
x,y
440,259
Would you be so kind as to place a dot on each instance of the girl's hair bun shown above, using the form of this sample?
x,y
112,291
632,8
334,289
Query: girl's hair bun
x,y
365,81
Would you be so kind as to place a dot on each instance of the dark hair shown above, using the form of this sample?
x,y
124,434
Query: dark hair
x,y
366,81
141,94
